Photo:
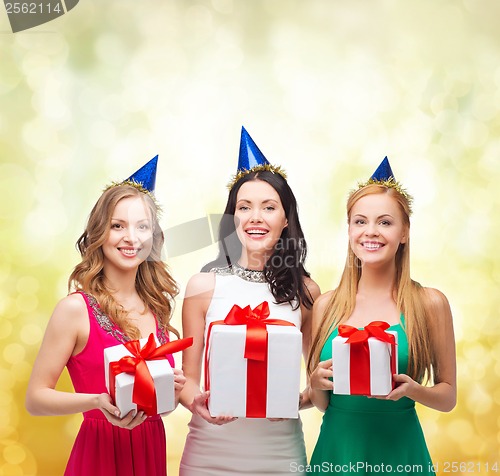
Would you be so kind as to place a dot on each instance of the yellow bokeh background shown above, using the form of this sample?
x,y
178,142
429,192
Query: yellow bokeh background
x,y
327,88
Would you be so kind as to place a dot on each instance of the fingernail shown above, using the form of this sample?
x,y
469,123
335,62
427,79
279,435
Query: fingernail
x,y
117,413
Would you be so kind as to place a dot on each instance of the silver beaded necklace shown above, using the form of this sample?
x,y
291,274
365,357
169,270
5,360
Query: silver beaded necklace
x,y
252,275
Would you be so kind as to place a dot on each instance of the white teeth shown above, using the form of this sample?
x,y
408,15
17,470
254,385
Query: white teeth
x,y
372,246
256,232
129,252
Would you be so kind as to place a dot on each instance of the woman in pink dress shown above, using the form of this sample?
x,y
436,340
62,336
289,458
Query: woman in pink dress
x,y
123,292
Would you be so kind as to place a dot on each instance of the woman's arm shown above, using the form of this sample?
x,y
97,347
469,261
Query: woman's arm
x,y
306,329
198,296
320,384
66,335
442,395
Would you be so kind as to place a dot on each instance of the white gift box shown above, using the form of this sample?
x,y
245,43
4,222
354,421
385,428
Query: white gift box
x,y
381,382
228,371
160,370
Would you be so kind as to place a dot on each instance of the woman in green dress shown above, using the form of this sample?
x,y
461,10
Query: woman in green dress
x,y
365,435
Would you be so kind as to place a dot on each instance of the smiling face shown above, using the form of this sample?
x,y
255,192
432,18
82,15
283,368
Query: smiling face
x,y
259,219
376,229
130,236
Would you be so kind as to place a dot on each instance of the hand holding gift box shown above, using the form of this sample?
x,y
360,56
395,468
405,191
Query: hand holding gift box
x,y
141,378
252,365
365,360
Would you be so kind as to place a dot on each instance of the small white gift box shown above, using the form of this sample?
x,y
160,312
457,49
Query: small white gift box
x,y
160,371
366,366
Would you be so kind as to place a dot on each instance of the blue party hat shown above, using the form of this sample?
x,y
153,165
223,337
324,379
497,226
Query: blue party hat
x,y
143,179
250,155
251,159
146,175
384,176
383,172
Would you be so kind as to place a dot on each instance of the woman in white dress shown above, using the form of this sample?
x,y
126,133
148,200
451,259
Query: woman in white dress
x,y
261,258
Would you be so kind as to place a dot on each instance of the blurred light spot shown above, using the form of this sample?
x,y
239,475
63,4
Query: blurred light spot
x,y
11,470
39,134
474,134
5,329
230,57
6,416
479,401
14,454
111,108
48,188
27,284
223,6
5,271
14,178
6,380
497,373
21,371
5,398
199,19
47,220
475,353
11,74
50,101
110,48
471,446
458,87
26,302
31,334
447,122
35,64
101,133
14,353
484,108
459,430
441,102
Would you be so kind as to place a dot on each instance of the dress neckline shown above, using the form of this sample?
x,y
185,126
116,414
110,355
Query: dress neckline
x,y
250,275
109,326
401,323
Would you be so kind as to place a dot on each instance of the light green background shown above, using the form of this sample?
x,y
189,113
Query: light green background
x,y
326,88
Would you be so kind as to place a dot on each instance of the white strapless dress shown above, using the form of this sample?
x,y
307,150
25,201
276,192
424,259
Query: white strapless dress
x,y
244,446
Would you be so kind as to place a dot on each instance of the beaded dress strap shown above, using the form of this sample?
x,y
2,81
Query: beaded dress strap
x,y
107,325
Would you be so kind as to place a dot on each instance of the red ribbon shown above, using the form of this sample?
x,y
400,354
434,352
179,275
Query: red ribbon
x,y
256,346
359,368
144,393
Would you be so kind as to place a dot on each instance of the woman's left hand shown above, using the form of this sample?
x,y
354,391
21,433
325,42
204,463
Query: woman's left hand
x,y
179,381
405,387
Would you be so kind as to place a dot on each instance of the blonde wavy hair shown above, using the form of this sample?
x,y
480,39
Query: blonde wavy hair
x,y
153,283
408,294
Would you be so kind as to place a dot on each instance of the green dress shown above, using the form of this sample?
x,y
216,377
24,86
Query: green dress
x,y
361,435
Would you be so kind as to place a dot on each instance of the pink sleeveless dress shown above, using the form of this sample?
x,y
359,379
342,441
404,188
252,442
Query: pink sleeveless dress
x,y
102,449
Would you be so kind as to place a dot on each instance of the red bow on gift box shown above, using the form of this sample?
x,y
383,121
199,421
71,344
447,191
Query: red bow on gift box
x,y
360,353
256,342
144,392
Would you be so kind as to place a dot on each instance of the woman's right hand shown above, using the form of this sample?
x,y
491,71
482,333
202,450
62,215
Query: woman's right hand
x,y
112,413
320,378
199,407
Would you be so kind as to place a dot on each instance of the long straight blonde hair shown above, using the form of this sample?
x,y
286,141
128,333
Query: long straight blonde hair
x,y
408,295
153,282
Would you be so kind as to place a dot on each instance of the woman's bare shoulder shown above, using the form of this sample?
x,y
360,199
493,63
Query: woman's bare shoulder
x,y
312,287
200,284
